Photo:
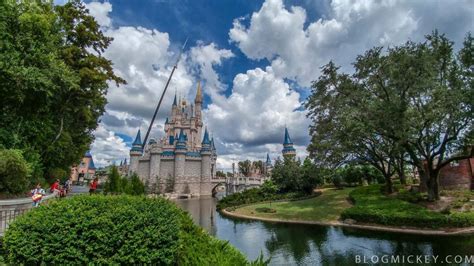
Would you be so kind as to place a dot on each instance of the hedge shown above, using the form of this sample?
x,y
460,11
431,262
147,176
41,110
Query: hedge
x,y
255,195
371,206
113,230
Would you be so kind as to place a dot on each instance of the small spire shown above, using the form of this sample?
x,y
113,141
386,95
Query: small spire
x,y
175,101
138,139
287,137
268,159
198,93
166,122
206,140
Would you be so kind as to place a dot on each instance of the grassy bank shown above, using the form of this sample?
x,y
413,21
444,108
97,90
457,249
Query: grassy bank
x,y
371,206
324,208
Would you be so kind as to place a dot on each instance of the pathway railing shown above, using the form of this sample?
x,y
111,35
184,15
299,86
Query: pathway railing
x,y
10,209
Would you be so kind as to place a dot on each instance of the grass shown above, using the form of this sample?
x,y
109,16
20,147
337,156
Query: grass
x,y
325,208
371,206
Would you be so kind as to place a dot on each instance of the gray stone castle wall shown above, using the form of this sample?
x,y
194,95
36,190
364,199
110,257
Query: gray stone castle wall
x,y
188,174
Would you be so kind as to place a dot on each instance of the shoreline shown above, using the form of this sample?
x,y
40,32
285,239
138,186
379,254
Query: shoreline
x,y
412,231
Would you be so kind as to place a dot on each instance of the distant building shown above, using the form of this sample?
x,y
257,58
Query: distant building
x,y
85,171
457,175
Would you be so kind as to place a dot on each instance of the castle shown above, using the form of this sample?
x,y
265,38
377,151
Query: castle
x,y
184,161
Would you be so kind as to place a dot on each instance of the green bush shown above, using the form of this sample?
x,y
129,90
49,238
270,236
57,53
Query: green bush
x,y
14,172
371,206
113,230
254,195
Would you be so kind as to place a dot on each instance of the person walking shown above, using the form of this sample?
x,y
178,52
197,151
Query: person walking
x,y
93,186
68,185
55,188
37,195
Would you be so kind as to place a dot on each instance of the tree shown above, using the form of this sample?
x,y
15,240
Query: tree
x,y
310,177
220,173
170,181
287,174
53,80
14,172
244,167
113,183
136,185
412,102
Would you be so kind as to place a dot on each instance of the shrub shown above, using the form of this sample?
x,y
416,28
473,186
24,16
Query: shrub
x,y
255,195
113,230
337,181
371,206
14,172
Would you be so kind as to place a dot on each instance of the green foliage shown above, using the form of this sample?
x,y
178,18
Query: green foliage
x,y
113,184
409,103
136,185
117,184
14,172
337,181
169,186
53,81
292,176
255,195
244,167
371,206
113,230
356,174
268,187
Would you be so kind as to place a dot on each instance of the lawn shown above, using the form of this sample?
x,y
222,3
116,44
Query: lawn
x,y
325,208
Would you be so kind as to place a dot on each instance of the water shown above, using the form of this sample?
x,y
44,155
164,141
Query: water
x,y
291,244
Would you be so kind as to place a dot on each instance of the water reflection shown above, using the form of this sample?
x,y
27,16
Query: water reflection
x,y
290,244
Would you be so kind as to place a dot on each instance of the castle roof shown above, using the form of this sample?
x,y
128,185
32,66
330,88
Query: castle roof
x,y
206,140
88,154
181,144
175,102
268,160
287,137
91,164
138,139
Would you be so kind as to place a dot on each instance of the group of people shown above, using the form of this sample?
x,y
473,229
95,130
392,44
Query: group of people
x,y
58,190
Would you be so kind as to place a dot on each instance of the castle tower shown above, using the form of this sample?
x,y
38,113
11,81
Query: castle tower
x,y
288,149
206,152
155,162
180,157
135,153
198,114
268,166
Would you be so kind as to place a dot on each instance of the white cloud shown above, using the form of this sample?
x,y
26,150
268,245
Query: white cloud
x,y
251,121
107,147
144,58
100,11
206,57
297,48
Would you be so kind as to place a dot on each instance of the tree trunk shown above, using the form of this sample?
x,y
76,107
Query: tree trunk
x,y
423,180
401,172
433,186
388,185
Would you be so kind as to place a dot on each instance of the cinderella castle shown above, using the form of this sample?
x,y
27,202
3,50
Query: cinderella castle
x,y
184,160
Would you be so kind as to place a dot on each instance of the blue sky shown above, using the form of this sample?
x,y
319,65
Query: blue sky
x,y
255,59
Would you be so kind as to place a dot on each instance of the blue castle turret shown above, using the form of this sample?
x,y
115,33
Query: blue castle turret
x,y
181,143
288,149
137,143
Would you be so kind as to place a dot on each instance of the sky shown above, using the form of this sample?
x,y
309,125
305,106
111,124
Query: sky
x,y
256,61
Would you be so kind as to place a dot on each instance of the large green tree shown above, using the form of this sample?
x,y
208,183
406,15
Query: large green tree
x,y
53,79
415,99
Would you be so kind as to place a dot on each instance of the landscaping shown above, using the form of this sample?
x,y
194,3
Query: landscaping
x,y
366,205
114,230
326,207
372,206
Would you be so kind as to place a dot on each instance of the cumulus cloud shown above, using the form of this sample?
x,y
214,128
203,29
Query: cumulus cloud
x,y
144,58
206,57
107,147
296,48
251,121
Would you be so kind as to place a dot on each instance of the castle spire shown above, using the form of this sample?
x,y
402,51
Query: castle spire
x,y
269,162
175,101
138,139
288,149
206,140
198,94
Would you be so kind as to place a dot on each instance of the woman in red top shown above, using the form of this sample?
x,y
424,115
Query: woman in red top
x,y
93,186
55,187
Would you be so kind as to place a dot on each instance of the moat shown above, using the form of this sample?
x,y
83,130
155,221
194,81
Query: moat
x,y
292,244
